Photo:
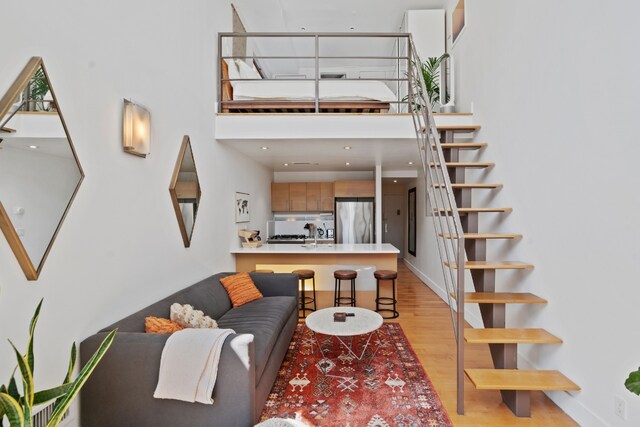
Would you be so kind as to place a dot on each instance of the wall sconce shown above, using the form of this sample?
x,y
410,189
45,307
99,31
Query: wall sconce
x,y
136,129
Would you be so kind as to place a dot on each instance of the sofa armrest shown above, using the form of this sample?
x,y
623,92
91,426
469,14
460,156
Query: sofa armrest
x,y
120,390
276,284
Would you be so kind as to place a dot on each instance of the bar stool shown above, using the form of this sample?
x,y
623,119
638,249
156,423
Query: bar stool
x,y
263,271
303,276
339,276
386,275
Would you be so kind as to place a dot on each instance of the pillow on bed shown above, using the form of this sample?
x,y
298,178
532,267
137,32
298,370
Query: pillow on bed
x,y
233,71
247,71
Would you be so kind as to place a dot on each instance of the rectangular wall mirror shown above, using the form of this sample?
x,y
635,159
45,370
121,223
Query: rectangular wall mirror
x,y
185,191
39,170
411,242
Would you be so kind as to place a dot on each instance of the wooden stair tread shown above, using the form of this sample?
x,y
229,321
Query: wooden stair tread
x,y
470,165
509,336
458,186
477,210
483,236
454,128
493,265
516,379
463,145
502,298
7,130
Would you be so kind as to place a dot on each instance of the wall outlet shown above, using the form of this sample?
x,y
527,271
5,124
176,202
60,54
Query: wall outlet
x,y
620,407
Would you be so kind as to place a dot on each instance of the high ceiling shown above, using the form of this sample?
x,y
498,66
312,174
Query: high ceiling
x,y
328,15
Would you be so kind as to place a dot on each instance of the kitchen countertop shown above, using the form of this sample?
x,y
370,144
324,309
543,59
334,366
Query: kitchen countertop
x,y
338,248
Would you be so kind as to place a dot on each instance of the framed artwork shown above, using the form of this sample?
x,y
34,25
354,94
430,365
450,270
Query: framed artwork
x,y
242,207
411,246
458,21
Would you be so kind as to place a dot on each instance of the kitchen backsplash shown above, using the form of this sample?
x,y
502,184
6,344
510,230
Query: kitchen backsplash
x,y
294,224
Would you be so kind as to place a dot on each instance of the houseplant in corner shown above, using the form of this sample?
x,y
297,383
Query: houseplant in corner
x,y
633,382
430,70
18,407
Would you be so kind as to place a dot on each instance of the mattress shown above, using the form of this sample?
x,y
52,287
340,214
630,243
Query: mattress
x,y
330,90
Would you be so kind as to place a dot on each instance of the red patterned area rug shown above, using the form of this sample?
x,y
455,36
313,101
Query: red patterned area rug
x,y
390,390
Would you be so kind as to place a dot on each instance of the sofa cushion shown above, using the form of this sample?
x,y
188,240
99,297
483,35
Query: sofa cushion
x,y
241,289
264,318
207,295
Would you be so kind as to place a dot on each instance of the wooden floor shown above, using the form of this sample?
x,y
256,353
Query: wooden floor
x,y
426,320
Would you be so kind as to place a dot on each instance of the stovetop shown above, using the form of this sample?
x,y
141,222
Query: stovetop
x,y
288,237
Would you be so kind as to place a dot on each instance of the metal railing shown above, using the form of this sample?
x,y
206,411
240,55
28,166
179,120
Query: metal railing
x,y
398,64
441,206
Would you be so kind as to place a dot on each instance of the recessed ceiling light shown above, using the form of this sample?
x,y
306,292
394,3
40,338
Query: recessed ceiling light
x,y
264,148
347,148
347,163
395,180
34,147
410,163
352,28
286,164
303,28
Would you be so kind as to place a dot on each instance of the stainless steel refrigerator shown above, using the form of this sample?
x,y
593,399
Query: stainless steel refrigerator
x,y
355,220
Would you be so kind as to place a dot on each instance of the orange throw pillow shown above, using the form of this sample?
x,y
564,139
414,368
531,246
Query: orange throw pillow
x,y
157,325
241,289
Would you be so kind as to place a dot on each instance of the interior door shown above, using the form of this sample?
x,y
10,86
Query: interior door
x,y
393,221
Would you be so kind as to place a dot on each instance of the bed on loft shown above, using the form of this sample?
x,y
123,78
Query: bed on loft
x,y
244,90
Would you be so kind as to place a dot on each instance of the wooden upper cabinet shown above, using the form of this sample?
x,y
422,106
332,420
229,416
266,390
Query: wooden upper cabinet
x,y
298,197
355,189
313,196
326,197
280,196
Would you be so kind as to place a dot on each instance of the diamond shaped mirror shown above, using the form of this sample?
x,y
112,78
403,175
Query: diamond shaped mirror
x,y
185,191
39,170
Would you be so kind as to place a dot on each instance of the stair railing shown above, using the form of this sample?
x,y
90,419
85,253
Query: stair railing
x,y
441,206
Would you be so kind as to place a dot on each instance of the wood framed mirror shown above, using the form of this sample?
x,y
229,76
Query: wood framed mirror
x,y
185,191
40,173
411,211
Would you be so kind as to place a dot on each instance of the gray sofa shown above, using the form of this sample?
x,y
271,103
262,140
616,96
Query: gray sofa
x,y
120,391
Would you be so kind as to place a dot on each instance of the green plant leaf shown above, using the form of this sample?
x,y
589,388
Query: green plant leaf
x,y
72,365
32,328
12,410
633,382
79,382
13,389
27,378
45,396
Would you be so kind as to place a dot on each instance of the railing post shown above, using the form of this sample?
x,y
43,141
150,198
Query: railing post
x,y
317,100
219,68
460,322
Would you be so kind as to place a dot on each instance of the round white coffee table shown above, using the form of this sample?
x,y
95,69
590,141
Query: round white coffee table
x,y
363,322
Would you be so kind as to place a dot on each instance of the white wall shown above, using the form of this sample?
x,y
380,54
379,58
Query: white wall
x,y
120,247
555,86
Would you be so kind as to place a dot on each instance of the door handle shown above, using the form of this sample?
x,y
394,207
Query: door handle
x,y
385,228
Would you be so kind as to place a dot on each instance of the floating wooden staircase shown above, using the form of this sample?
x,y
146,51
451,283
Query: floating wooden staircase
x,y
515,385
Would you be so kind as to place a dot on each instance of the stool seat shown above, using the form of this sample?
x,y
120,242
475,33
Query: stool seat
x,y
304,274
385,274
262,271
345,274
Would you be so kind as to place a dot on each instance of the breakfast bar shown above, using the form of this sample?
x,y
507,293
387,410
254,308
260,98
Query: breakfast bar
x,y
324,259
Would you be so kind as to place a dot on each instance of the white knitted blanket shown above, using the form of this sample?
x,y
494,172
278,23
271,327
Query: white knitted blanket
x,y
189,365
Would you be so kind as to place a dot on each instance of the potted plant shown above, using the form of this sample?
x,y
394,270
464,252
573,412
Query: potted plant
x,y
430,70
633,382
17,406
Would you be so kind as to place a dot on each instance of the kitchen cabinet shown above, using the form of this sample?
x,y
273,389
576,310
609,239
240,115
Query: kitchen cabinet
x,y
297,197
280,196
326,197
302,197
313,196
355,189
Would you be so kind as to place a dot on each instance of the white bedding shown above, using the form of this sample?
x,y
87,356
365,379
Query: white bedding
x,y
330,90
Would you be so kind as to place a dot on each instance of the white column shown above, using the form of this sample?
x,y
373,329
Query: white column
x,y
378,176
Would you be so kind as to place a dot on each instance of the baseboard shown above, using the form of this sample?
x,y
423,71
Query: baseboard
x,y
471,318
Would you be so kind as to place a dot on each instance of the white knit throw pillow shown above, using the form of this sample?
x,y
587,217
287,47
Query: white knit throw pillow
x,y
187,317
